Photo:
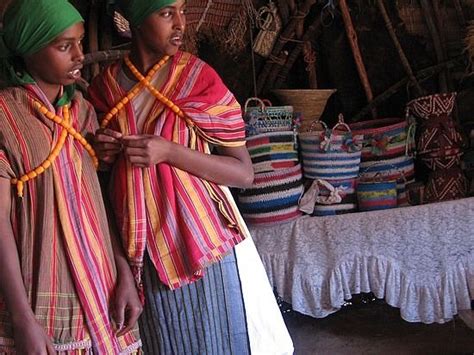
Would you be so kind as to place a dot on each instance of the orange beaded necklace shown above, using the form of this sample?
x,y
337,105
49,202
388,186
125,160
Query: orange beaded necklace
x,y
68,129
144,81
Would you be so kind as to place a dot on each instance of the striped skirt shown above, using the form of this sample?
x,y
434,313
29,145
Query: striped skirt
x,y
205,317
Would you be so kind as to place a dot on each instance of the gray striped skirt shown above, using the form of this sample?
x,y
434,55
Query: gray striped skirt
x,y
206,317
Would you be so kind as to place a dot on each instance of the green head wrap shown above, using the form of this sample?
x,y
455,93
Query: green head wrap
x,y
136,11
29,26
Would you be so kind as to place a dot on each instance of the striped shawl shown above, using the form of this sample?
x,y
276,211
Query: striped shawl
x,y
184,222
60,228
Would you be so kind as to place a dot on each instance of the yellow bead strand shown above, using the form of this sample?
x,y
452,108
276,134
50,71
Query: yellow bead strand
x,y
66,124
132,93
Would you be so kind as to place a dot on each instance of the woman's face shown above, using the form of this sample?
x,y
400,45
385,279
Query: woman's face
x,y
162,32
60,62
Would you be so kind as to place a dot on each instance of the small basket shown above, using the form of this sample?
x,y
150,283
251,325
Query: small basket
x,y
266,118
377,192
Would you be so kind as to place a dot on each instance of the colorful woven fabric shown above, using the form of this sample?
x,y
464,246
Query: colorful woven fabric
x,y
273,197
184,222
273,150
60,228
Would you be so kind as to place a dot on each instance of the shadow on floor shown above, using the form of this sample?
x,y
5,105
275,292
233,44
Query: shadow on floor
x,y
375,328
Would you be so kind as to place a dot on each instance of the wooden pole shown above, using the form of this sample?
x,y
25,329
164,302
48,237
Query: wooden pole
x,y
93,34
285,35
352,37
310,33
421,75
401,53
460,13
442,38
430,23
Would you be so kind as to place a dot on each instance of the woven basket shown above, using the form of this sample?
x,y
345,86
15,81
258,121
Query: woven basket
x,y
310,102
273,197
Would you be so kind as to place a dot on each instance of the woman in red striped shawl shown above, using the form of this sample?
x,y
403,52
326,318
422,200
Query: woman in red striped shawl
x,y
163,111
58,276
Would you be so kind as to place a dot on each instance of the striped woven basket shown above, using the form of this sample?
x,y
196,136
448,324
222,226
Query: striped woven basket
x,y
272,150
273,198
376,195
347,192
389,142
330,154
266,118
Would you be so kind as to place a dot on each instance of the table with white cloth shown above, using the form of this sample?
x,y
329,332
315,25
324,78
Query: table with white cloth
x,y
419,259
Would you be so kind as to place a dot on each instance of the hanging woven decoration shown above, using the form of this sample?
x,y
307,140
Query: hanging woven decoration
x,y
269,23
440,146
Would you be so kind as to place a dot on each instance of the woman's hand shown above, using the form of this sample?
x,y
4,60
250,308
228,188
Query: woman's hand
x,y
31,339
126,307
146,150
107,144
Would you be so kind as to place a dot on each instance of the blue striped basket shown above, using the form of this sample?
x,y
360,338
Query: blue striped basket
x,y
376,195
330,154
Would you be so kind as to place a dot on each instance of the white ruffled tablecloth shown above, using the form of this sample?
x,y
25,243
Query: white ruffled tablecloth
x,y
419,259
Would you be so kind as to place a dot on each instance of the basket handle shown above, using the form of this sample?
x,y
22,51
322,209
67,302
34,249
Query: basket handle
x,y
267,102
340,122
315,122
262,105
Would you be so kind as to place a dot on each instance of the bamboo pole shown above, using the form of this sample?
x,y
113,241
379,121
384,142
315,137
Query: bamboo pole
x,y
352,37
401,53
430,23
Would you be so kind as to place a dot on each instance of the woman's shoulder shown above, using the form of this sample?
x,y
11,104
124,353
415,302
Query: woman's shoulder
x,y
13,99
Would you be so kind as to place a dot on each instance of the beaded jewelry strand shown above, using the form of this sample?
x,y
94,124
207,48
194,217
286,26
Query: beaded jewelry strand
x,y
134,91
163,99
66,124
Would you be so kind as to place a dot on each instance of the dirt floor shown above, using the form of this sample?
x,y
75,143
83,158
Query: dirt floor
x,y
375,328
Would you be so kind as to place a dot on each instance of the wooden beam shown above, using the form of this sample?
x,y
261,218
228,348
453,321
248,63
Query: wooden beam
x,y
398,47
353,41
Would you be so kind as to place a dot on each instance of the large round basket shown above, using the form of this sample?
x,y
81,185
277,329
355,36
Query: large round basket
x,y
310,102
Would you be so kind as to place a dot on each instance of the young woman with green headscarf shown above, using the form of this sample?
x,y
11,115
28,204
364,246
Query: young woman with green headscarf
x,y
204,285
63,278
